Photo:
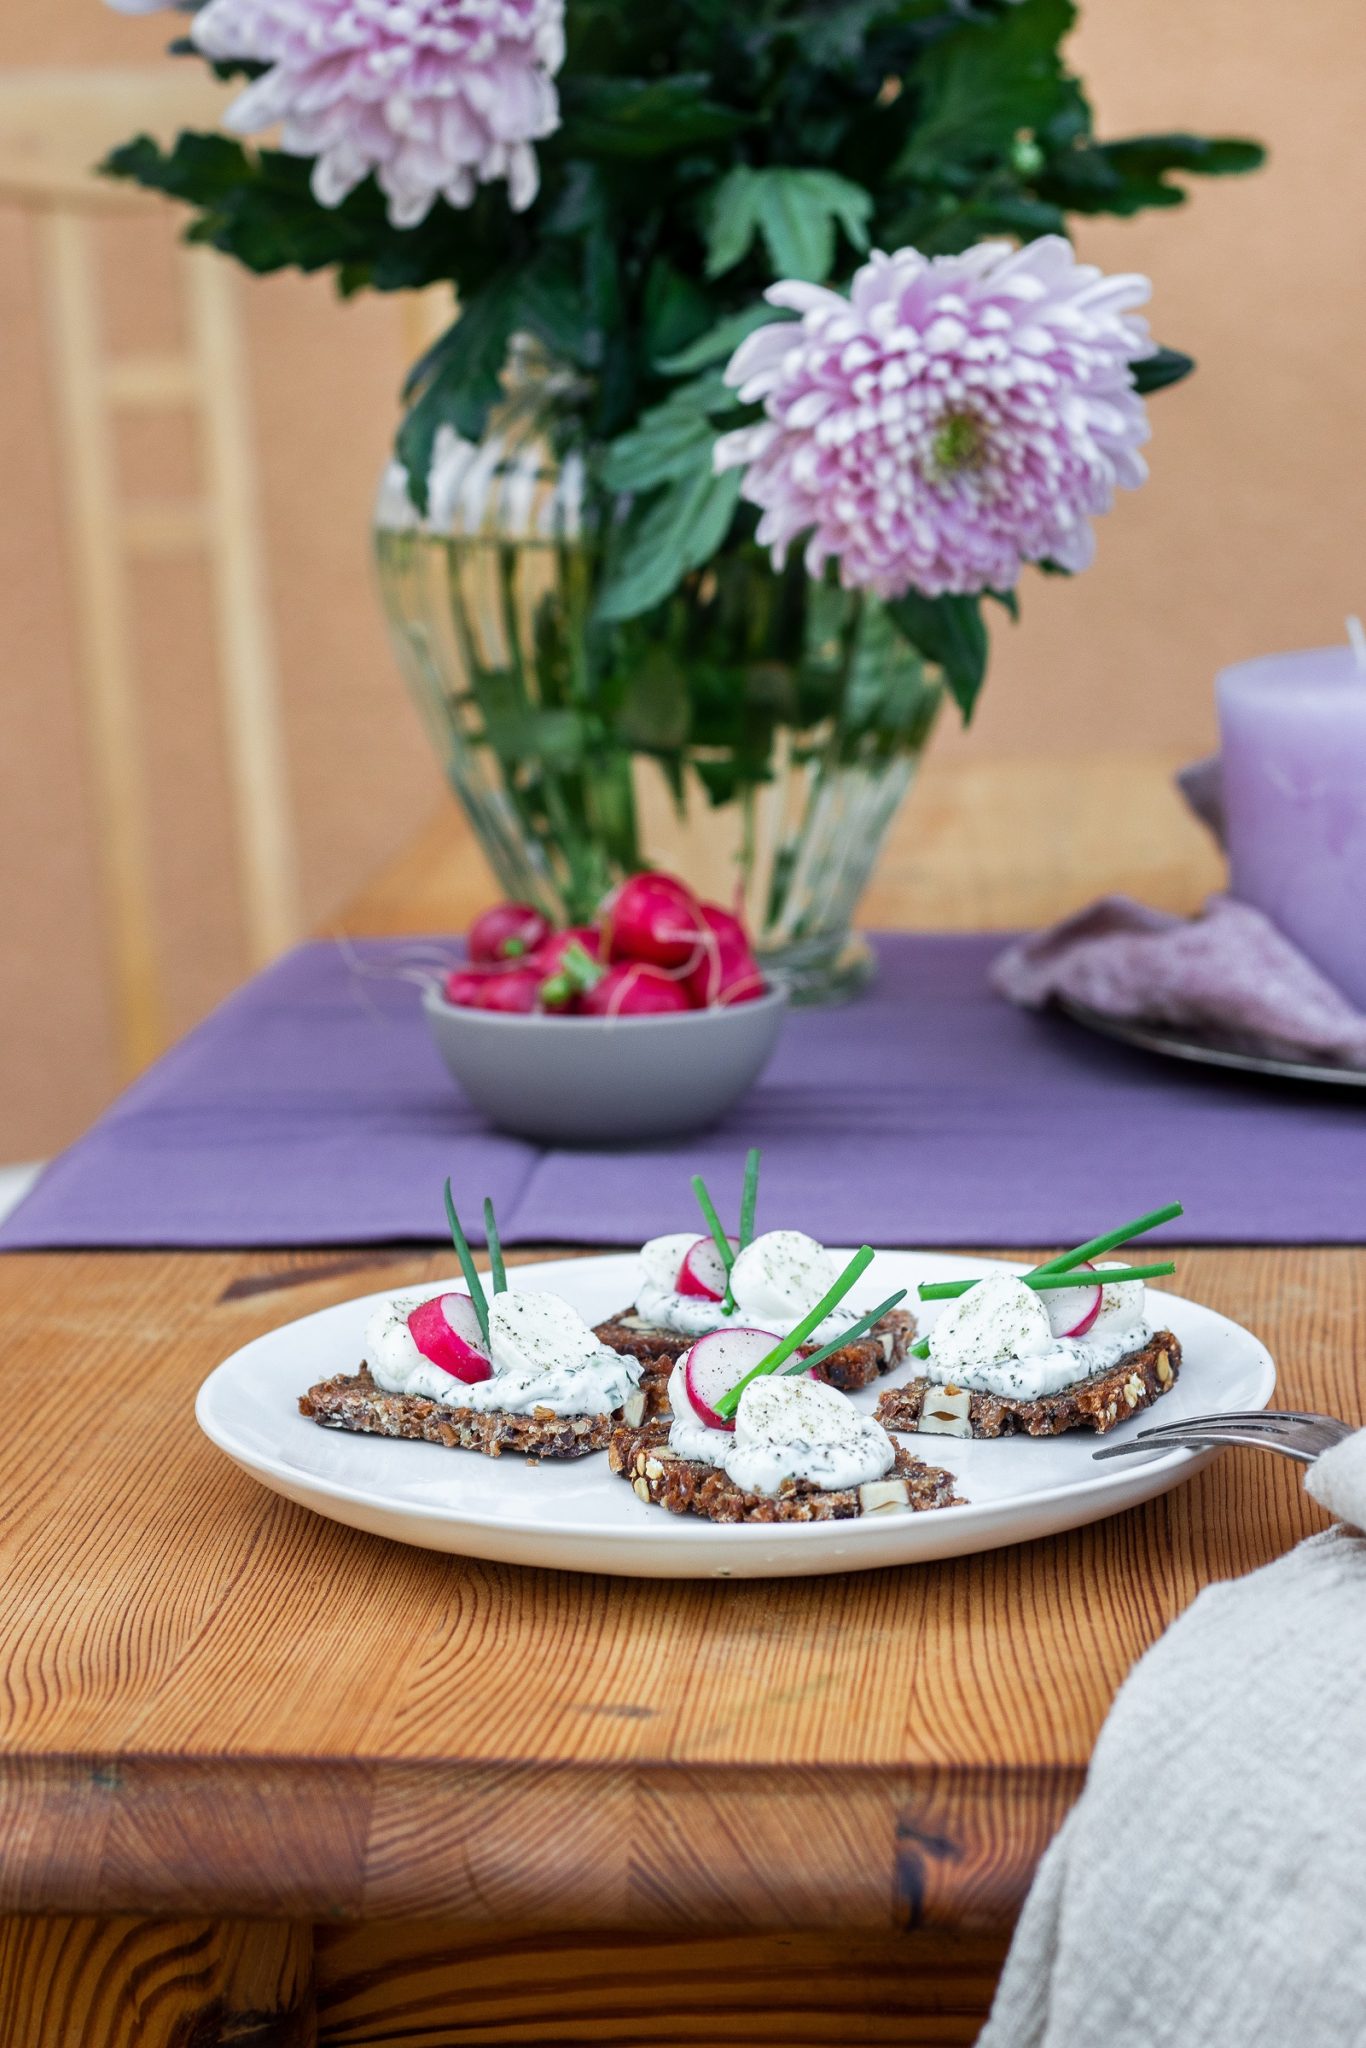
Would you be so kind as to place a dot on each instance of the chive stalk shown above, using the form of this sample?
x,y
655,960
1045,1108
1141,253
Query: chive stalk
x,y
467,1266
1065,1262
797,1336
1098,1246
1042,1281
500,1272
719,1238
749,1196
851,1335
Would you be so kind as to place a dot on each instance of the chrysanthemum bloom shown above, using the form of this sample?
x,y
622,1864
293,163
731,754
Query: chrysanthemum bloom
x,y
953,418
435,96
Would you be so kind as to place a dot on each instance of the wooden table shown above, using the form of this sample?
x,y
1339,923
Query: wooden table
x,y
265,1780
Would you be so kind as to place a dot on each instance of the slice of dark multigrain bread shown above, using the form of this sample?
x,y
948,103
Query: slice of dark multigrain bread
x,y
857,1365
353,1400
686,1487
1098,1403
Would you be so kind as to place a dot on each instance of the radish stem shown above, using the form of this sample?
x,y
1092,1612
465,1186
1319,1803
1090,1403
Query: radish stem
x,y
862,1259
749,1196
719,1238
951,1290
851,1335
500,1275
467,1265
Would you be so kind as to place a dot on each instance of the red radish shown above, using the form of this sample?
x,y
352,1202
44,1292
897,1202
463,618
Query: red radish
x,y
1075,1307
719,1361
703,1271
632,989
728,972
560,986
653,918
515,990
464,986
446,1330
509,931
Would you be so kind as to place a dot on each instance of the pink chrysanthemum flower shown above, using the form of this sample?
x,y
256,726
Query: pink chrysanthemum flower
x,y
435,97
952,419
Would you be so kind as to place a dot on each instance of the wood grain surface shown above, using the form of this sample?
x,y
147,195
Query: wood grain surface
x,y
214,1702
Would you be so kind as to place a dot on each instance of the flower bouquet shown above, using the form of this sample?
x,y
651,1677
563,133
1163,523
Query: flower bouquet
x,y
773,365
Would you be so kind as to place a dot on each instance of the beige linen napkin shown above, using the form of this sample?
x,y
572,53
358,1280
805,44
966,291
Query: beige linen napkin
x,y
1208,1890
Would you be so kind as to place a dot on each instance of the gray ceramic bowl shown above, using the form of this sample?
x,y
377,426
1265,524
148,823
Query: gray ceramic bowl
x,y
606,1081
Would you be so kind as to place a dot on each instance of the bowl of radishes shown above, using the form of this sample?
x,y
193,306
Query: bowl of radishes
x,y
648,1023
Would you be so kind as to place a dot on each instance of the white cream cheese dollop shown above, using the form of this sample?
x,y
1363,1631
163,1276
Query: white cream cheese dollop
x,y
786,1427
542,1352
1002,1337
777,1279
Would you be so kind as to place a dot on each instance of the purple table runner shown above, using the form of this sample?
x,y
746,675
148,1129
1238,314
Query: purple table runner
x,y
312,1109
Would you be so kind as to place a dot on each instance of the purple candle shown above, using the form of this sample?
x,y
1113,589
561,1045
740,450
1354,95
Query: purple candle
x,y
1294,788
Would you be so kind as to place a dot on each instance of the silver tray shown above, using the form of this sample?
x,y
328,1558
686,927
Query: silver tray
x,y
1206,1049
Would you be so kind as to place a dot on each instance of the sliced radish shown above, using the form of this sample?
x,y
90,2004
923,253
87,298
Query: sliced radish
x,y
446,1330
1073,1310
703,1271
717,1362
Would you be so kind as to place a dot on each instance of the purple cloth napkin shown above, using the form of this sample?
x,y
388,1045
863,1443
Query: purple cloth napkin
x,y
1229,970
312,1109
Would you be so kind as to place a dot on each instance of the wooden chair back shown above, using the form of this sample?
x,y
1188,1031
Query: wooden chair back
x,y
55,126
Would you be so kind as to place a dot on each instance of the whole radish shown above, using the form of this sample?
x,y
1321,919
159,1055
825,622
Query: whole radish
x,y
509,931
514,992
464,986
653,918
446,1330
563,982
631,988
727,971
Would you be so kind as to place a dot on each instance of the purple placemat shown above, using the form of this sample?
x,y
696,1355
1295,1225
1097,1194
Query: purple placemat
x,y
312,1109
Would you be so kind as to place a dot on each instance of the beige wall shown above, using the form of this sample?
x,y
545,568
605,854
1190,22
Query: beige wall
x,y
1249,536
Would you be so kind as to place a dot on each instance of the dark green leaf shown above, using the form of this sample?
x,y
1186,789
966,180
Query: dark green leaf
x,y
985,85
795,211
951,632
675,532
721,342
672,440
461,381
1166,366
639,117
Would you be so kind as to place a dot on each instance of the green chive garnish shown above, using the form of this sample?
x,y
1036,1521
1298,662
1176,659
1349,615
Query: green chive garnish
x,y
749,1197
719,1238
467,1265
862,1259
1065,1262
1042,1280
851,1335
499,1270
1098,1246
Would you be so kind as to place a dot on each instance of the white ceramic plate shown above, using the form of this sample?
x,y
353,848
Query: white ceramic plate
x,y
578,1517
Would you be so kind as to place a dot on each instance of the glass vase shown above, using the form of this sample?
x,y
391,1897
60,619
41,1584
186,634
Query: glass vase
x,y
754,733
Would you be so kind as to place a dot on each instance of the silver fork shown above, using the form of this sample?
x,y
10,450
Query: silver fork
x,y
1302,1437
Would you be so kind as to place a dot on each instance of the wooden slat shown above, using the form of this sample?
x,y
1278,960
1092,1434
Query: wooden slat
x,y
122,1983
249,684
436,1985
115,757
148,383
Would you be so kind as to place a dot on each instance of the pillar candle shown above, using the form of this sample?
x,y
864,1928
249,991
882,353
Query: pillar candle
x,y
1294,786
